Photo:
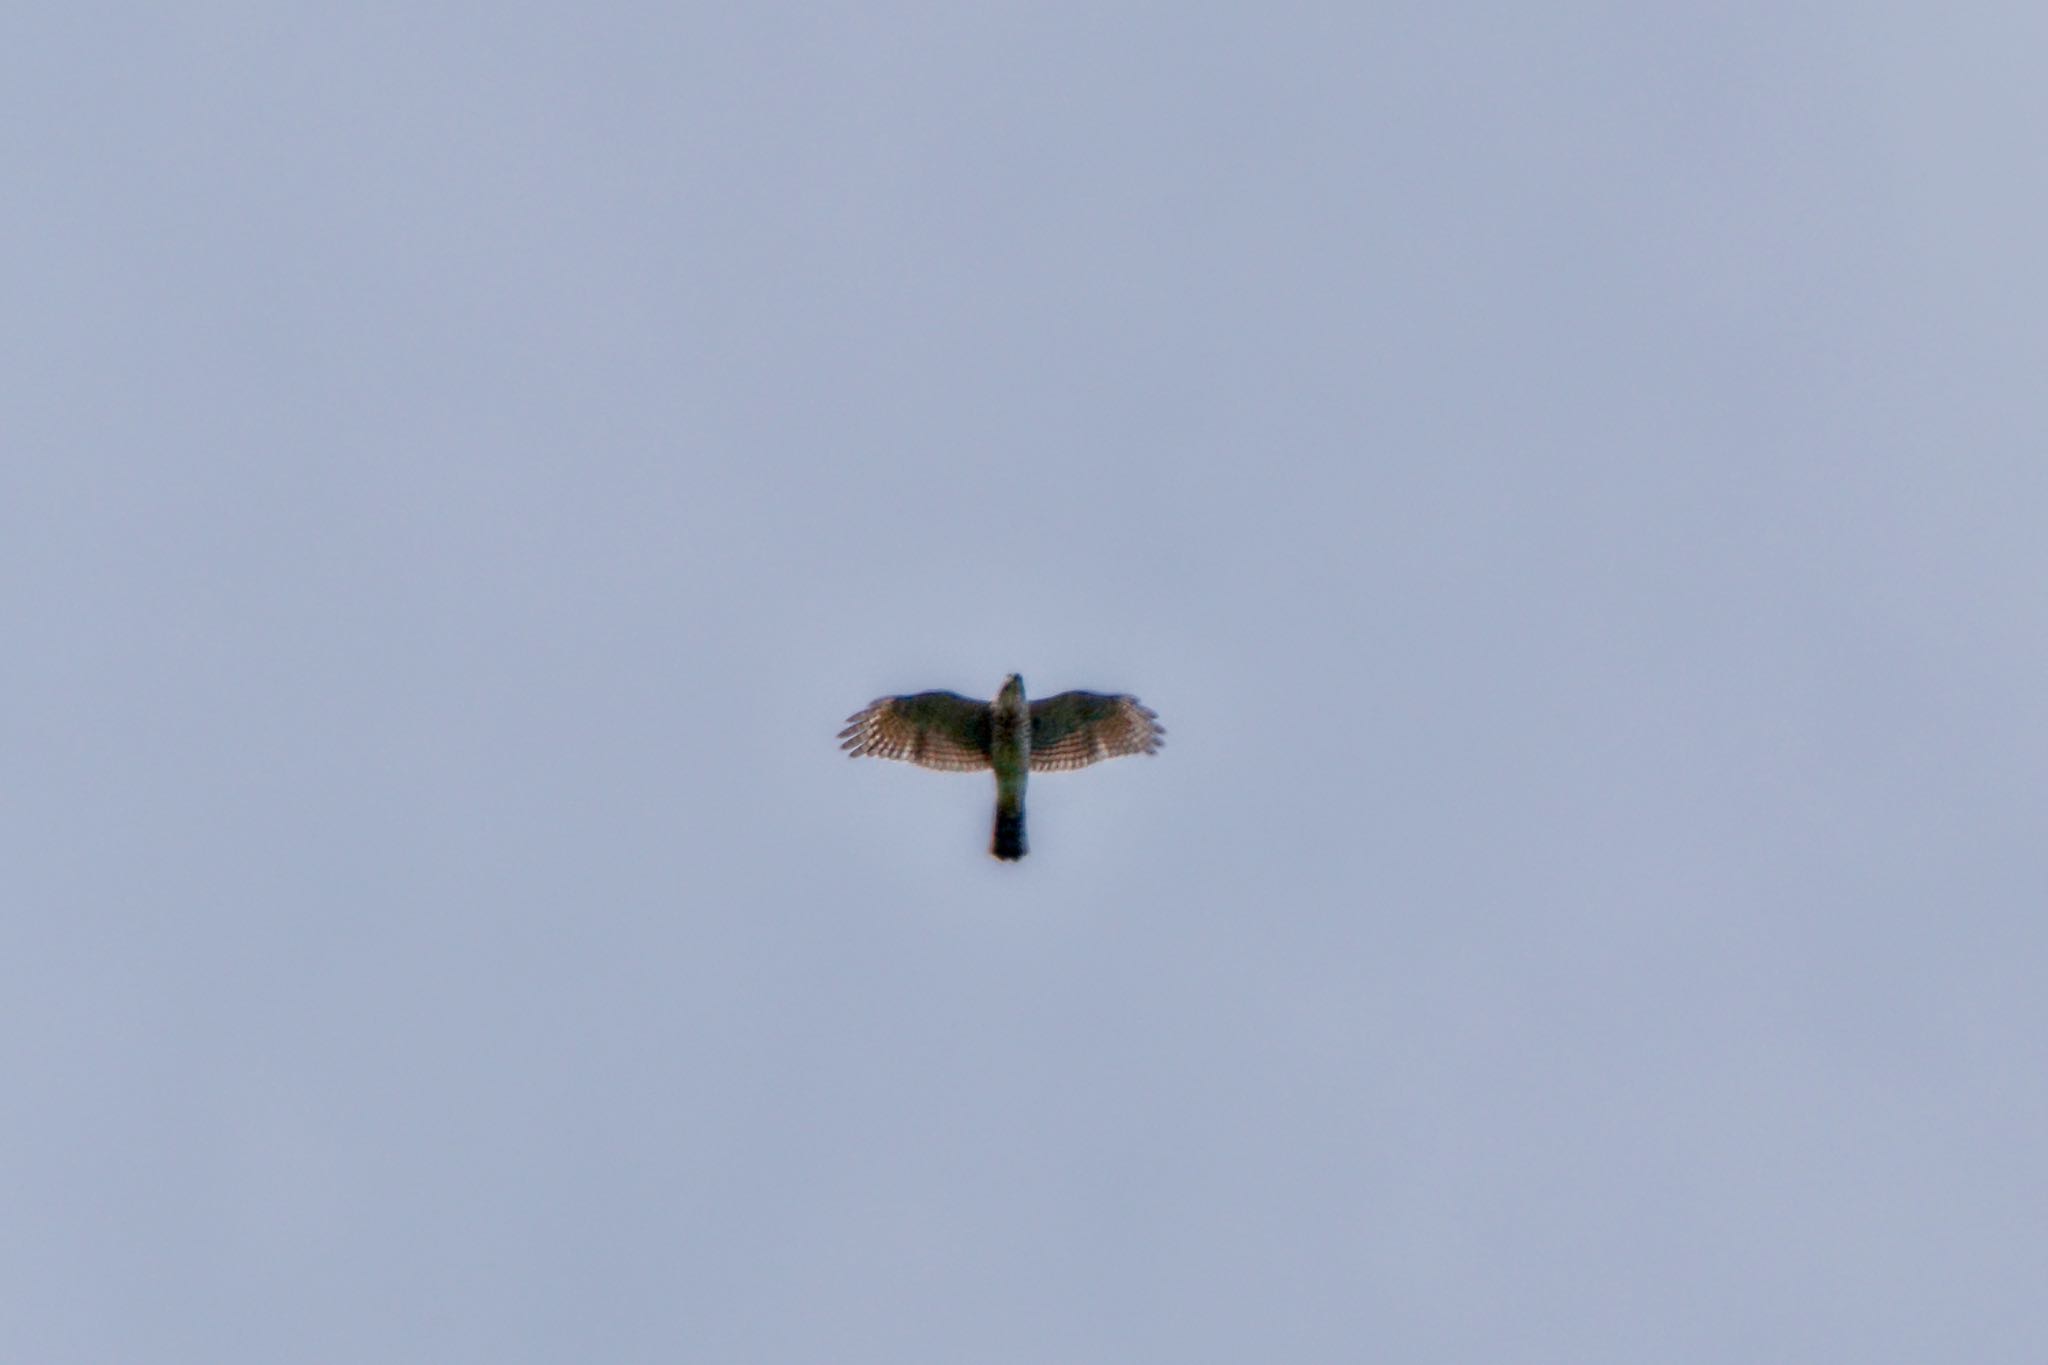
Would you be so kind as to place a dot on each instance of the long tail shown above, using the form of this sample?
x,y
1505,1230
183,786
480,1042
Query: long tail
x,y
1009,841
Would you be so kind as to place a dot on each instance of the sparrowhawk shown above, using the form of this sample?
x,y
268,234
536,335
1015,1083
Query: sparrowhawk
x,y
949,731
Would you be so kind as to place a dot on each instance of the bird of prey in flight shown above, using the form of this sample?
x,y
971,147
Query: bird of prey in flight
x,y
959,734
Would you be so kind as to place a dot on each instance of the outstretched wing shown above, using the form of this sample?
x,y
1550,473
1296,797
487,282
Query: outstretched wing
x,y
1075,729
930,729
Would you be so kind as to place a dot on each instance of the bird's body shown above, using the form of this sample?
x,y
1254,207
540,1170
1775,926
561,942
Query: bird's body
x,y
1009,753
1012,737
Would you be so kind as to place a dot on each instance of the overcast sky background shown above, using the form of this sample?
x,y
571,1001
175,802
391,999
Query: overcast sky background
x,y
1571,479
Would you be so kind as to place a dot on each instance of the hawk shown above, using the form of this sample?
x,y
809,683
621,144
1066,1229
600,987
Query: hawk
x,y
959,734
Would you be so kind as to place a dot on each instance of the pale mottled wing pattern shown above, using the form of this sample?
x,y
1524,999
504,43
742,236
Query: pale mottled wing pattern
x,y
931,729
1075,729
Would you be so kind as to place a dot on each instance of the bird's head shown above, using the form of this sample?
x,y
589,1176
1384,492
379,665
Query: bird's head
x,y
1013,686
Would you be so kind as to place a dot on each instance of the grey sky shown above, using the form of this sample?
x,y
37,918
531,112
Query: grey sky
x,y
1571,480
